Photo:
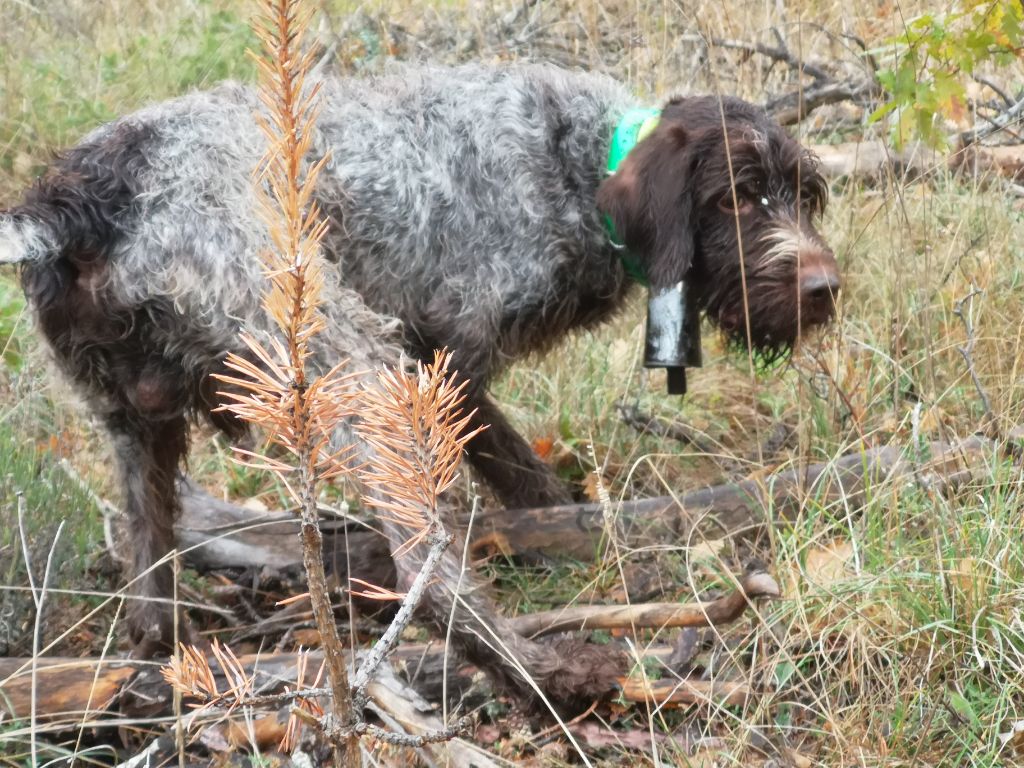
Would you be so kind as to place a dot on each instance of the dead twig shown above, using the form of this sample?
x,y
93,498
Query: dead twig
x,y
780,53
825,89
632,416
1011,115
967,353
793,107
650,615
439,541
672,691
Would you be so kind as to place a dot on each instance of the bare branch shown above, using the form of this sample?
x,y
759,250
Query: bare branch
x,y
967,353
642,422
794,107
672,690
650,615
1010,116
460,728
780,53
439,541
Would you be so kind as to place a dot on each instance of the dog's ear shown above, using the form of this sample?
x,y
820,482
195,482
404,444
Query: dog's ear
x,y
651,203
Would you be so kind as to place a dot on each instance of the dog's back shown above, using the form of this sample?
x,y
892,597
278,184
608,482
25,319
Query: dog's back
x,y
463,195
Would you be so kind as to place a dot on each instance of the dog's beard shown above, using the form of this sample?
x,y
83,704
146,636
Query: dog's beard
x,y
766,352
773,332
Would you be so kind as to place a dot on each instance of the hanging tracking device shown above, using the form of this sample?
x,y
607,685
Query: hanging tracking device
x,y
673,334
673,321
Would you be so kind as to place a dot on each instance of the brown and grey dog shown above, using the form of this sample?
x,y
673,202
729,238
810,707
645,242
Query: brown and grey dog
x,y
467,204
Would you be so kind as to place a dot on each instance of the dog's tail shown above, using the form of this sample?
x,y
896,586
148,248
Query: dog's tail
x,y
24,239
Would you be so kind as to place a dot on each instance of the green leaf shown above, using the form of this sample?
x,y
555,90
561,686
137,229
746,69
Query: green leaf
x,y
964,709
782,672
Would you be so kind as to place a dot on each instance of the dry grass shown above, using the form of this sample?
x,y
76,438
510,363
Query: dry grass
x,y
898,641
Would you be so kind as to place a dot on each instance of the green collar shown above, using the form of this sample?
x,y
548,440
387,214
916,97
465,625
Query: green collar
x,y
635,126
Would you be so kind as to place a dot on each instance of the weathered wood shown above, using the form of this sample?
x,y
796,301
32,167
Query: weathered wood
x,y
217,534
794,107
401,707
85,693
75,693
722,510
671,691
877,159
67,690
70,691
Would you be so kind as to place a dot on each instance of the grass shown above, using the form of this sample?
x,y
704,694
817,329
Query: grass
x,y
899,640
97,59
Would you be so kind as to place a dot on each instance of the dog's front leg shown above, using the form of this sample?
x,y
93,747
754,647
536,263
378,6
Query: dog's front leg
x,y
507,463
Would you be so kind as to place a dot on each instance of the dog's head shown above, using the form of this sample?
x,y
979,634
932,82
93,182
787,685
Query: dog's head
x,y
719,194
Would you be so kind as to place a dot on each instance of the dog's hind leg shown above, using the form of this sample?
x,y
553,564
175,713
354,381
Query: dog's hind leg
x,y
148,456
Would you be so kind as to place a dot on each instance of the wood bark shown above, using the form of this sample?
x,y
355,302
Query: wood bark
x,y
649,615
71,692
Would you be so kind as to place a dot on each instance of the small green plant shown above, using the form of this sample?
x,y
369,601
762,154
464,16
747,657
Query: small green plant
x,y
934,55
12,316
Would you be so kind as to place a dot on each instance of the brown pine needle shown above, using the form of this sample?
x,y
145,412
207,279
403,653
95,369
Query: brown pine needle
x,y
373,592
418,431
293,729
192,675
292,599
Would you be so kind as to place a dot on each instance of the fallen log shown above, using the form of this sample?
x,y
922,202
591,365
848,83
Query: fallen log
x,y
217,534
876,160
73,694
79,692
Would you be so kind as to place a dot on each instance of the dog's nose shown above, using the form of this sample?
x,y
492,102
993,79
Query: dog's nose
x,y
822,287
819,280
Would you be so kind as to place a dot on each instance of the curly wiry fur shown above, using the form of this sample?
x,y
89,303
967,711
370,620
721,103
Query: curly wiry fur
x,y
465,209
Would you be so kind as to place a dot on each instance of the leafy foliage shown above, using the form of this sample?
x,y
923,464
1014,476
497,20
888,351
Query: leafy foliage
x,y
933,56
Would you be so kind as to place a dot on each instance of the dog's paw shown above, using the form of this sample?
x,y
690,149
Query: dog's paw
x,y
151,631
586,672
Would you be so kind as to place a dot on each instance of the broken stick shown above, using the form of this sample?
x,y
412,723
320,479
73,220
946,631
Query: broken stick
x,y
650,615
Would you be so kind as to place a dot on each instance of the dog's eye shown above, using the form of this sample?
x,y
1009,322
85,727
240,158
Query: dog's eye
x,y
741,204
